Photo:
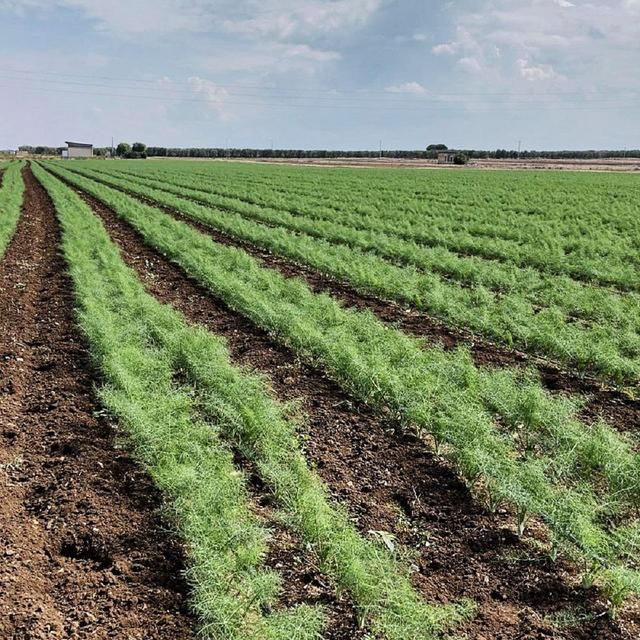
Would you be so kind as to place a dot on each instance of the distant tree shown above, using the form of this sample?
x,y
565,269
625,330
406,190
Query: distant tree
x,y
139,147
123,148
460,158
437,147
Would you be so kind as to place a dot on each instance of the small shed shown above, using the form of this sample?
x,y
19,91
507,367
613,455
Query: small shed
x,y
446,157
77,150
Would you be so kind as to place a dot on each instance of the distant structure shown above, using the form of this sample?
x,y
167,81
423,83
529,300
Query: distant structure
x,y
77,150
446,157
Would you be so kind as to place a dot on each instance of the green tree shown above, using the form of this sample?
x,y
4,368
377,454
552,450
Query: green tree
x,y
460,158
123,148
139,147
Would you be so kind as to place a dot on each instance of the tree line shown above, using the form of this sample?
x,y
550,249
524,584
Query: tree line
x,y
419,154
140,150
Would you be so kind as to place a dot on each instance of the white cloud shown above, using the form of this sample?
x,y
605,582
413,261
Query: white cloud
x,y
585,46
282,19
537,72
445,48
305,52
279,19
470,65
267,23
275,57
123,16
413,88
214,95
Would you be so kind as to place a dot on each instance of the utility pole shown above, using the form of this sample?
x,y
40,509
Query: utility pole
x,y
380,149
112,152
519,148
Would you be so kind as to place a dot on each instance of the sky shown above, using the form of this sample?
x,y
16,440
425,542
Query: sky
x,y
327,74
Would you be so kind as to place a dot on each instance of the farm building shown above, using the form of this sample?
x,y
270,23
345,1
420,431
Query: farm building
x,y
77,150
446,157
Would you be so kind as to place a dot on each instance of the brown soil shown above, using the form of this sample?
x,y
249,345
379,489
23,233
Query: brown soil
x,y
303,581
613,405
390,481
85,551
603,164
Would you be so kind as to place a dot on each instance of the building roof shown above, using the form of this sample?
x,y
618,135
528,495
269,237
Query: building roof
x,y
78,144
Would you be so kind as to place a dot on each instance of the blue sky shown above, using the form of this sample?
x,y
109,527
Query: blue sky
x,y
321,73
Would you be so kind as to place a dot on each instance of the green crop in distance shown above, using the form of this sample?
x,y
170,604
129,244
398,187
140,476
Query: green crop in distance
x,y
480,416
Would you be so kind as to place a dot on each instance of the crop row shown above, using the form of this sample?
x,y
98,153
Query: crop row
x,y
571,297
11,193
609,348
580,248
530,198
511,441
185,435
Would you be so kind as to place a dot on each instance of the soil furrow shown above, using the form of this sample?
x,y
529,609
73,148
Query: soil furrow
x,y
391,482
85,550
615,406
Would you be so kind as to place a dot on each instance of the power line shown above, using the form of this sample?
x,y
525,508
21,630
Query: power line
x,y
162,97
349,93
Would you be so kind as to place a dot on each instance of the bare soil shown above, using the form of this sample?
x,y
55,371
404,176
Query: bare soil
x,y
85,551
601,164
390,481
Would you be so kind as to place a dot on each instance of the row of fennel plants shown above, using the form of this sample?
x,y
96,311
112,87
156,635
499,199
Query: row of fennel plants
x,y
185,435
570,297
612,353
11,195
588,505
518,206
581,249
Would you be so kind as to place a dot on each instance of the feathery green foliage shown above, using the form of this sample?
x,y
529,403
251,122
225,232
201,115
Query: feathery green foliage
x,y
11,194
141,345
581,492
581,325
550,221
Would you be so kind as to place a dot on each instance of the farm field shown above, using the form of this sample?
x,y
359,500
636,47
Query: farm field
x,y
258,401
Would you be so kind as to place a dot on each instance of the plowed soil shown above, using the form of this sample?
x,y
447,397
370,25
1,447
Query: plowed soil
x,y
84,549
390,482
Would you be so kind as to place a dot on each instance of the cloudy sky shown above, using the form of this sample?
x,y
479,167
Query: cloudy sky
x,y
321,73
